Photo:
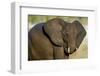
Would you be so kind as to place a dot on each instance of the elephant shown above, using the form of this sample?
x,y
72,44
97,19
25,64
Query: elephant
x,y
54,39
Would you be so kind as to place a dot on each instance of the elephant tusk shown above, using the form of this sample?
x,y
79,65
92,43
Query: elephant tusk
x,y
68,50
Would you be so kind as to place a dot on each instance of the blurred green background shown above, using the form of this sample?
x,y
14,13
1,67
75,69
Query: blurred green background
x,y
34,19
82,52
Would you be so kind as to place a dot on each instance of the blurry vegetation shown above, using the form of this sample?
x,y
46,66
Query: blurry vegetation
x,y
34,19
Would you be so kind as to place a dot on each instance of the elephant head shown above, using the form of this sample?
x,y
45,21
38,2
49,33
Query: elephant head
x,y
63,34
73,34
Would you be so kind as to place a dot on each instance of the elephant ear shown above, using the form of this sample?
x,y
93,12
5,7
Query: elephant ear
x,y
80,33
53,29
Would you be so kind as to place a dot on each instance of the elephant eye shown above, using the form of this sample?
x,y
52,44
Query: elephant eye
x,y
65,34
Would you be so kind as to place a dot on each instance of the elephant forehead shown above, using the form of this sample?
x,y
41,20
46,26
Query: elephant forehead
x,y
71,28
54,26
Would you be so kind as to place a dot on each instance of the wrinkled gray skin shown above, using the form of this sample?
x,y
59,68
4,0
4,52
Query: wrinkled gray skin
x,y
55,39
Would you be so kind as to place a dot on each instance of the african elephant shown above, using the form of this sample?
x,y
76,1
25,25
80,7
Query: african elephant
x,y
54,39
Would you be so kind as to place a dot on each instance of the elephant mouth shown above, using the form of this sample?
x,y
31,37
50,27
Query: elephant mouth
x,y
68,51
